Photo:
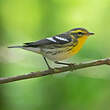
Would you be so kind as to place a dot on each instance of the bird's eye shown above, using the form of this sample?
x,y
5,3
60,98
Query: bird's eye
x,y
80,33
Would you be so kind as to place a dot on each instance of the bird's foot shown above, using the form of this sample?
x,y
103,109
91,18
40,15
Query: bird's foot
x,y
72,65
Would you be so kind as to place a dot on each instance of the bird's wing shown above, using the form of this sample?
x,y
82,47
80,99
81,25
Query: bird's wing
x,y
38,43
58,39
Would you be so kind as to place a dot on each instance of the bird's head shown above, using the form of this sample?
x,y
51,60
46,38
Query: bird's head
x,y
80,33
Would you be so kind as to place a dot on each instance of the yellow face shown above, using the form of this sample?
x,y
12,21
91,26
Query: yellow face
x,y
80,33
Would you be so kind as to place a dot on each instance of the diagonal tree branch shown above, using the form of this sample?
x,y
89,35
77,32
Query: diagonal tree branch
x,y
71,67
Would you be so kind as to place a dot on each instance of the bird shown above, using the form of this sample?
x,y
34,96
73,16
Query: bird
x,y
58,47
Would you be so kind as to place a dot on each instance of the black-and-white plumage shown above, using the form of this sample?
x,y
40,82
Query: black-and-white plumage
x,y
58,39
58,47
51,46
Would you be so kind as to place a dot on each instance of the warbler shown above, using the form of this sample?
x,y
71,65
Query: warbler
x,y
58,47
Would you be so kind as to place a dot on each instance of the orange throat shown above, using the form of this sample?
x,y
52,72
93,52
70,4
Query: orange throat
x,y
81,41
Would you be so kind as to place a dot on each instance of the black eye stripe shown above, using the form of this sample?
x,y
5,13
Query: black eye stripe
x,y
78,33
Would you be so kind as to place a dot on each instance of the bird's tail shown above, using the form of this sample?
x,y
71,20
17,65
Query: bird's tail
x,y
15,47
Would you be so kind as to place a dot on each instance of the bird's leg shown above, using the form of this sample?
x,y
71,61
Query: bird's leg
x,y
69,64
57,62
47,63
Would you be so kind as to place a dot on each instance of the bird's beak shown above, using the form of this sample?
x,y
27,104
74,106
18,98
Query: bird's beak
x,y
91,33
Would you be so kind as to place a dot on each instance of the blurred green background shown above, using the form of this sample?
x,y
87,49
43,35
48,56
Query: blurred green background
x,y
31,20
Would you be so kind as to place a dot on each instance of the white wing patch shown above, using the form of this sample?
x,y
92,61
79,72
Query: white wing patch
x,y
60,38
57,37
51,39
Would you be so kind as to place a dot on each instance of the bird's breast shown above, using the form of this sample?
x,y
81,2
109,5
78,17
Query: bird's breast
x,y
79,45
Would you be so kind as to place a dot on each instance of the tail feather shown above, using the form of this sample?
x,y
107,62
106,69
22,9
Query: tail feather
x,y
15,47
27,48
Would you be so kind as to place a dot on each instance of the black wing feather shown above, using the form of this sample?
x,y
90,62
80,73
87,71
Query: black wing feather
x,y
38,43
65,36
48,42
